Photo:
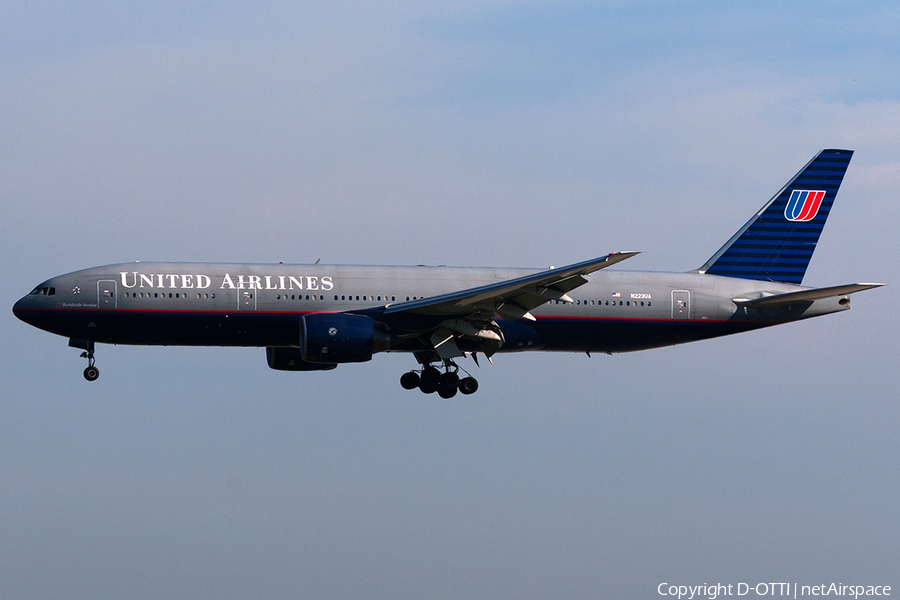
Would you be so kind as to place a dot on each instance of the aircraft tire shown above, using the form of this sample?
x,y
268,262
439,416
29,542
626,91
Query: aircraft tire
x,y
449,380
431,375
448,385
428,387
410,381
446,391
468,385
91,373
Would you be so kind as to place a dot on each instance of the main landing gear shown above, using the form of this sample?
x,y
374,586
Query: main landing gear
x,y
446,384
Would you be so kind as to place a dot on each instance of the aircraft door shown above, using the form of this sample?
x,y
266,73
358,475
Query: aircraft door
x,y
106,294
681,304
247,299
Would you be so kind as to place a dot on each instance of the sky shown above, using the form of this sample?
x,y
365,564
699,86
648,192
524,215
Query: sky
x,y
521,134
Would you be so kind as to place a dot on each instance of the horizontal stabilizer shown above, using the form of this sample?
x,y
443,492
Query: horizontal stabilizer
x,y
812,294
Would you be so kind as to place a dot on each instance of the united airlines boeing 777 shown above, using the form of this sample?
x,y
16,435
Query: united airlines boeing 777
x,y
315,317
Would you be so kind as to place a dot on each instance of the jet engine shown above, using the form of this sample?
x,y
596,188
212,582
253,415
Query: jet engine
x,y
332,338
291,359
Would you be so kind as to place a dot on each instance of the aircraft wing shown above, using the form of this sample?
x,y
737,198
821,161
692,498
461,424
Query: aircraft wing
x,y
469,313
813,294
511,298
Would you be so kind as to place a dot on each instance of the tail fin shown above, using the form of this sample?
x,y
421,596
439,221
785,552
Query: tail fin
x,y
778,242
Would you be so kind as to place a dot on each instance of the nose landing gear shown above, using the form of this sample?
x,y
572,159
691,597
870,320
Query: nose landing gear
x,y
91,373
446,384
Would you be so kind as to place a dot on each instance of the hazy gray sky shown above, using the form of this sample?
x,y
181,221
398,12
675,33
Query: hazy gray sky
x,y
505,133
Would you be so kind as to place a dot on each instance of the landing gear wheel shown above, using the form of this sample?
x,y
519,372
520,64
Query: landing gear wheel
x,y
468,385
410,381
447,393
448,385
429,380
445,380
91,373
431,375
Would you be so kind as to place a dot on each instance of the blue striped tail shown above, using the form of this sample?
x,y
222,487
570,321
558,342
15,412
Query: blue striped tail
x,y
778,242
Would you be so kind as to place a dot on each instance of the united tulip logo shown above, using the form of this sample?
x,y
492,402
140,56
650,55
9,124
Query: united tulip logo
x,y
803,205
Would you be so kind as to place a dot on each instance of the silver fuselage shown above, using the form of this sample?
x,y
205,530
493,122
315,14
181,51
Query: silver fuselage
x,y
260,304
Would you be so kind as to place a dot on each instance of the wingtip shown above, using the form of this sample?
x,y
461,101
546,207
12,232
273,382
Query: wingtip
x,y
622,255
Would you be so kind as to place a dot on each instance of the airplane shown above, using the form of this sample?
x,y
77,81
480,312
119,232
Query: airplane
x,y
314,317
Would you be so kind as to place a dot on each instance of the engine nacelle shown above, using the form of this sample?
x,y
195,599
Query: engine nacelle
x,y
291,359
333,338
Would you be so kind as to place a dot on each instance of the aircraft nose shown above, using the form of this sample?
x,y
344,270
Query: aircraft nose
x,y
19,308
22,309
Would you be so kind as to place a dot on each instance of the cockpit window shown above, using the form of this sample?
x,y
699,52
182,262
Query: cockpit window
x,y
43,291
